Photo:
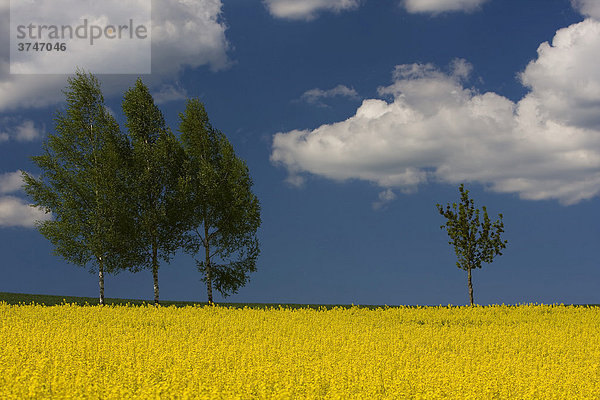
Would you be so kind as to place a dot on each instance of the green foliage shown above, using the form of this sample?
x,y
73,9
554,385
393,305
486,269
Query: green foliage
x,y
223,213
153,176
82,182
474,242
127,201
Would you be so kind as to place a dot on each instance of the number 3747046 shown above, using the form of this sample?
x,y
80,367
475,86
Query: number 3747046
x,y
41,46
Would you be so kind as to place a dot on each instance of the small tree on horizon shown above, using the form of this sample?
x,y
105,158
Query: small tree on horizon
x,y
474,242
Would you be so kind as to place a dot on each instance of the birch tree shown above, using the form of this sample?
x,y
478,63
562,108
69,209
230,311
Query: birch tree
x,y
82,183
156,168
223,213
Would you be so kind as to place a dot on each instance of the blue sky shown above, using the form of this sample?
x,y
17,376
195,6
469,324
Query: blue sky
x,y
356,117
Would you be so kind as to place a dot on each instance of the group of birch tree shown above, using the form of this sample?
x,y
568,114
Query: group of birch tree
x,y
129,200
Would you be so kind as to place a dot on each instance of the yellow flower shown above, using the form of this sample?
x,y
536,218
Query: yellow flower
x,y
116,352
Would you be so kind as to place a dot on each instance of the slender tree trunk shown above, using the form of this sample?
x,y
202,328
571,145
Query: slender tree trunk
x,y
470,286
97,211
208,267
209,283
155,271
101,279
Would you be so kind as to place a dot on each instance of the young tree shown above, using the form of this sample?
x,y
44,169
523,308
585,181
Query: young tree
x,y
82,183
473,242
223,213
156,168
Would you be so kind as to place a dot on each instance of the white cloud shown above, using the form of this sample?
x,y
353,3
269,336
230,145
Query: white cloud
x,y
385,197
167,93
28,91
105,56
10,182
22,131
185,34
461,68
441,6
188,33
565,79
307,9
315,96
15,212
295,180
590,8
434,129
27,132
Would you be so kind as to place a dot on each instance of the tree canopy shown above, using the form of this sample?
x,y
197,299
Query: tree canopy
x,y
131,200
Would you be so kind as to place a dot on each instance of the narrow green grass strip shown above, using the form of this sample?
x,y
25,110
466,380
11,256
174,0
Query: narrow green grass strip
x,y
51,300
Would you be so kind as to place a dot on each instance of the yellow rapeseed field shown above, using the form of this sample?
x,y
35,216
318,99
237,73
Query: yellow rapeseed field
x,y
120,352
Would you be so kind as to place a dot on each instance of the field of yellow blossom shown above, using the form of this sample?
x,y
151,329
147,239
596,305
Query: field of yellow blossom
x,y
122,352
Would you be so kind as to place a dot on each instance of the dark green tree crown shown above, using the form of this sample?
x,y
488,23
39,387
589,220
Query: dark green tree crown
x,y
225,213
474,241
81,180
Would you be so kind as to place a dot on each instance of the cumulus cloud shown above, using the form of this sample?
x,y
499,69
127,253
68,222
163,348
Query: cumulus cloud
x,y
441,6
105,56
564,79
307,9
188,33
589,8
10,182
185,34
19,130
27,132
14,211
435,129
461,69
316,96
385,197
167,93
